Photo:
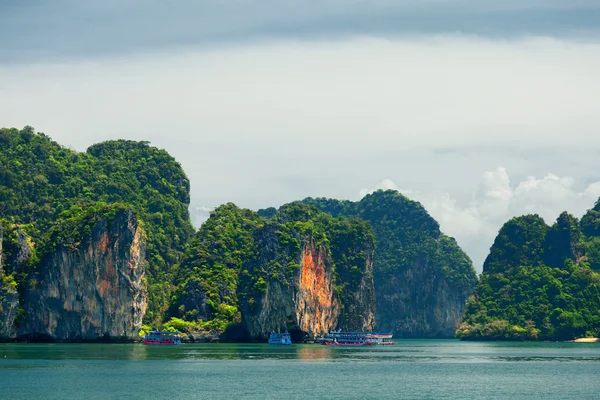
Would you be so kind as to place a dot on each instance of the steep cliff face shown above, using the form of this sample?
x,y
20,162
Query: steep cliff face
x,y
15,260
306,300
427,297
9,301
91,289
303,271
317,309
40,179
298,295
414,302
422,277
359,312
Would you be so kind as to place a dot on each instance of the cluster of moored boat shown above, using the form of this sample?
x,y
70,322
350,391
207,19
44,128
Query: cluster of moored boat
x,y
333,338
339,338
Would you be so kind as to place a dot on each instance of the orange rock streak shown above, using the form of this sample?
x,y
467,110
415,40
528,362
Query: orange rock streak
x,y
316,307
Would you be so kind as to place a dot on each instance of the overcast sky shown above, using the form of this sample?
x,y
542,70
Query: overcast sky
x,y
481,110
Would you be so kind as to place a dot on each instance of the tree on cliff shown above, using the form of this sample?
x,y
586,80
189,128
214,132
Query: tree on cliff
x,y
237,253
39,180
537,283
419,271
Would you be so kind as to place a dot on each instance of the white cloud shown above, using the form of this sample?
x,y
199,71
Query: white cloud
x,y
199,214
476,223
386,184
360,95
269,123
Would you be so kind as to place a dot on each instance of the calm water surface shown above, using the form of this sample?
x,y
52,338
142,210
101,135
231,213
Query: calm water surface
x,y
411,369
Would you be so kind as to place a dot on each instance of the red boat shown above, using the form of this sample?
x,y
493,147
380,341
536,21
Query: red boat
x,y
159,337
336,343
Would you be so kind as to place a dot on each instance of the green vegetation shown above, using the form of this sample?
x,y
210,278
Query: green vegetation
x,y
42,182
51,196
538,283
352,243
237,253
208,275
404,234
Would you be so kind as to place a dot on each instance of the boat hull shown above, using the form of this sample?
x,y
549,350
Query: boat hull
x,y
346,344
156,342
343,338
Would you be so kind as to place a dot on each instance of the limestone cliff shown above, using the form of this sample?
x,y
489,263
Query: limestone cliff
x,y
306,295
539,282
15,257
8,301
305,271
414,302
317,308
91,289
422,277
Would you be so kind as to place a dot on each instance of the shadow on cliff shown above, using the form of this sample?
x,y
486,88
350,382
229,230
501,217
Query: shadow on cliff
x,y
238,334
43,338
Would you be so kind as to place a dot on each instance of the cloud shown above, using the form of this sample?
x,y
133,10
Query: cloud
x,y
68,29
476,223
361,95
264,124
386,184
199,214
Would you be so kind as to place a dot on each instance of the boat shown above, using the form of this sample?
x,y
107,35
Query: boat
x,y
280,338
161,337
342,338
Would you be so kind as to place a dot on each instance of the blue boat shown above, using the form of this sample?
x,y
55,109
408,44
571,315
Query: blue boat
x,y
279,339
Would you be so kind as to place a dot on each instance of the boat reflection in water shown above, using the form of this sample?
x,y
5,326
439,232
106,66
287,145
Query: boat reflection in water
x,y
313,353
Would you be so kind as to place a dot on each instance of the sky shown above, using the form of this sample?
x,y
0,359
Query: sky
x,y
480,110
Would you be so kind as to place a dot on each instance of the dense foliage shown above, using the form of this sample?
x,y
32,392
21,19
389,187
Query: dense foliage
x,y
352,243
519,242
40,180
537,283
211,266
404,234
237,252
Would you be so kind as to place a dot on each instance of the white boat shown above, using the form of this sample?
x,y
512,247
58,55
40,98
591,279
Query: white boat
x,y
342,338
280,338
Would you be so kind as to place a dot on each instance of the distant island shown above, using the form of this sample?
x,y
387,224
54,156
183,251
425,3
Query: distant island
x,y
98,246
539,282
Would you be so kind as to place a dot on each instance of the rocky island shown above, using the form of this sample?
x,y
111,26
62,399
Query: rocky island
x,y
99,246
539,282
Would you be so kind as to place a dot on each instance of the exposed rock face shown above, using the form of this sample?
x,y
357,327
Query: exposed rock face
x,y
317,309
307,300
413,302
9,301
193,302
94,291
12,259
360,313
422,277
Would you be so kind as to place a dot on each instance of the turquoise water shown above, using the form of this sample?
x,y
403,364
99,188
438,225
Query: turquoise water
x,y
411,369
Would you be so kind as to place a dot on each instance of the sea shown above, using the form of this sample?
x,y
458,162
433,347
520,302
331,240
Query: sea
x,y
410,369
